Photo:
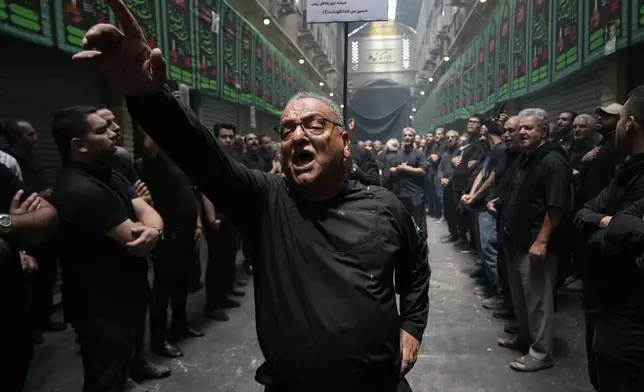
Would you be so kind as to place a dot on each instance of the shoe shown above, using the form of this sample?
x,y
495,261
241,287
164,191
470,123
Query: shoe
x,y
477,273
467,251
575,286
235,292
132,386
513,343
461,244
511,328
52,326
185,332
143,369
530,364
494,303
216,315
440,220
502,314
448,239
228,303
481,290
167,350
36,338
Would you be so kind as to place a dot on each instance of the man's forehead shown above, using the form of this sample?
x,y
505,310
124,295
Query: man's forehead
x,y
105,113
580,120
227,131
304,107
96,121
251,136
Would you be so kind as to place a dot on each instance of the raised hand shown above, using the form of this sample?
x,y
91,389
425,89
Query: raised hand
x,y
124,57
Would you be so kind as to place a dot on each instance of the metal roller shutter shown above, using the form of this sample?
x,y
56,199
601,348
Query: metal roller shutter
x,y
580,92
30,93
268,121
213,110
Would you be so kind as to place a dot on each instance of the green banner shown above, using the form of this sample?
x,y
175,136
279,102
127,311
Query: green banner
x,y
283,84
28,20
246,64
269,85
491,67
469,70
519,48
504,48
539,41
208,45
481,74
230,59
260,69
179,40
74,19
637,22
148,14
605,24
566,40
458,67
277,80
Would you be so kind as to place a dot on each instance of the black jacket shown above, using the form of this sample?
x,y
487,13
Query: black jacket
x,y
325,298
365,167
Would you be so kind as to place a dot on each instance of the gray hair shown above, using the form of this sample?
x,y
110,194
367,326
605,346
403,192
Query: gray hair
x,y
590,120
410,129
452,133
541,116
335,108
392,144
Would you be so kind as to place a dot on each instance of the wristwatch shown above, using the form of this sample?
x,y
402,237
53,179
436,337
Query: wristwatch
x,y
5,224
161,232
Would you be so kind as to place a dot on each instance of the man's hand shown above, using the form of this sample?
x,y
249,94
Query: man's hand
x,y
575,172
145,239
403,167
198,232
605,222
444,182
30,204
456,161
29,264
276,167
491,206
393,170
141,189
503,117
125,58
590,155
216,224
538,250
409,347
466,198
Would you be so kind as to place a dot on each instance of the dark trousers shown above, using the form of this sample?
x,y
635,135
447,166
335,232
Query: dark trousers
x,y
42,282
13,372
139,337
415,208
172,260
223,245
449,210
402,386
465,221
502,268
427,195
107,337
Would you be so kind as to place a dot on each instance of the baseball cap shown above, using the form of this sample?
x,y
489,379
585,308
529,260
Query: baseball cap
x,y
613,108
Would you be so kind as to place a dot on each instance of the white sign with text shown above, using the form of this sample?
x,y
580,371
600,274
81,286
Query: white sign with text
x,y
318,11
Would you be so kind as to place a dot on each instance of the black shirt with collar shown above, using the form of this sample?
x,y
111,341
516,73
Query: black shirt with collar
x,y
172,192
257,161
324,271
99,274
33,175
410,185
472,151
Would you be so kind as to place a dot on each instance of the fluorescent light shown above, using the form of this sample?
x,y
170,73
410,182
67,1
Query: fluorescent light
x,y
411,117
431,79
301,61
413,110
321,84
446,58
422,93
391,12
267,21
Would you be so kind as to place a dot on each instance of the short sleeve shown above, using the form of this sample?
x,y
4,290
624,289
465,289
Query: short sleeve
x,y
421,160
10,185
89,206
558,180
500,163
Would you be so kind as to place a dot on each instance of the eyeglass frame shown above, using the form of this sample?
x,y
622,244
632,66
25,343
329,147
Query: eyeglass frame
x,y
306,131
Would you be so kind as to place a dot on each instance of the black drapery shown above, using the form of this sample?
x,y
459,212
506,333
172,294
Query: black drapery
x,y
381,109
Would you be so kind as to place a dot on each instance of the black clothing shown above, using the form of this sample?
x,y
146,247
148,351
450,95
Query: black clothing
x,y
437,148
451,200
172,191
33,175
595,175
540,180
389,181
410,185
365,167
257,161
15,326
122,163
223,245
494,162
445,168
323,271
472,151
577,149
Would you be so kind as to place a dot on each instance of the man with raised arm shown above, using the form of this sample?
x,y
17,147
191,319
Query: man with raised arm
x,y
326,248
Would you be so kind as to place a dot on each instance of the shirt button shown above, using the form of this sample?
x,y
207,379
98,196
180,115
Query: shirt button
x,y
373,212
371,196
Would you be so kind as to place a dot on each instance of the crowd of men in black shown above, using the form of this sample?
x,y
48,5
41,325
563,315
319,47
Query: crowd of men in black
x,y
101,275
544,207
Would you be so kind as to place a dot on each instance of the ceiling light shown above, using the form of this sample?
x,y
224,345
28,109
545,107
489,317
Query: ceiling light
x,y
482,1
301,61
446,58
321,84
341,106
411,117
413,110
422,93
431,79
267,21
330,94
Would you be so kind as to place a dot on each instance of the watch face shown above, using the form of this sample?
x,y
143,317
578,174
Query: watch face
x,y
5,221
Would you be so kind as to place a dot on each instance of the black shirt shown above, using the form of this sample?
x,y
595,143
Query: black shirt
x,y
98,273
532,192
410,185
172,192
462,173
256,161
122,163
595,175
494,162
365,167
33,174
324,272
12,287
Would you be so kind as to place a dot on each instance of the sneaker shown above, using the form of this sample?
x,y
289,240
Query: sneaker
x,y
494,303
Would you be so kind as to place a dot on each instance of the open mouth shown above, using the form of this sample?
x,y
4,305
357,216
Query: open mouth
x,y
302,160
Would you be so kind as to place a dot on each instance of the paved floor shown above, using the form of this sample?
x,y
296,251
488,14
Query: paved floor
x,y
459,351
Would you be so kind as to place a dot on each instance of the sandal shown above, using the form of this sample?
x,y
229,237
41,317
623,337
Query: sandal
x,y
529,364
512,342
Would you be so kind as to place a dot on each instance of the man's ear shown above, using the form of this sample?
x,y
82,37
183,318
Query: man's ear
x,y
345,141
77,145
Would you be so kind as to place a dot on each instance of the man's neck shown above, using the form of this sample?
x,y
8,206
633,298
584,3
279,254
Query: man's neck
x,y
494,140
409,147
637,147
19,152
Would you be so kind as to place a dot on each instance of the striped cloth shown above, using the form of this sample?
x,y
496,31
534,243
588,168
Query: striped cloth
x,y
11,163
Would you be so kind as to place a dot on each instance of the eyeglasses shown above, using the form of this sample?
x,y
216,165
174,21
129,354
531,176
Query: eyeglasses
x,y
311,126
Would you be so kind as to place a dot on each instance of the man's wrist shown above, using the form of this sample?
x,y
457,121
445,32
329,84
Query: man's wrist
x,y
159,230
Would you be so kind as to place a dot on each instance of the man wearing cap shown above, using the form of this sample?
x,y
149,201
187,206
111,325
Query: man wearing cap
x,y
599,165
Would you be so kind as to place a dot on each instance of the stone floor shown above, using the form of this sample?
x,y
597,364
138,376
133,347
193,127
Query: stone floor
x,y
459,352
